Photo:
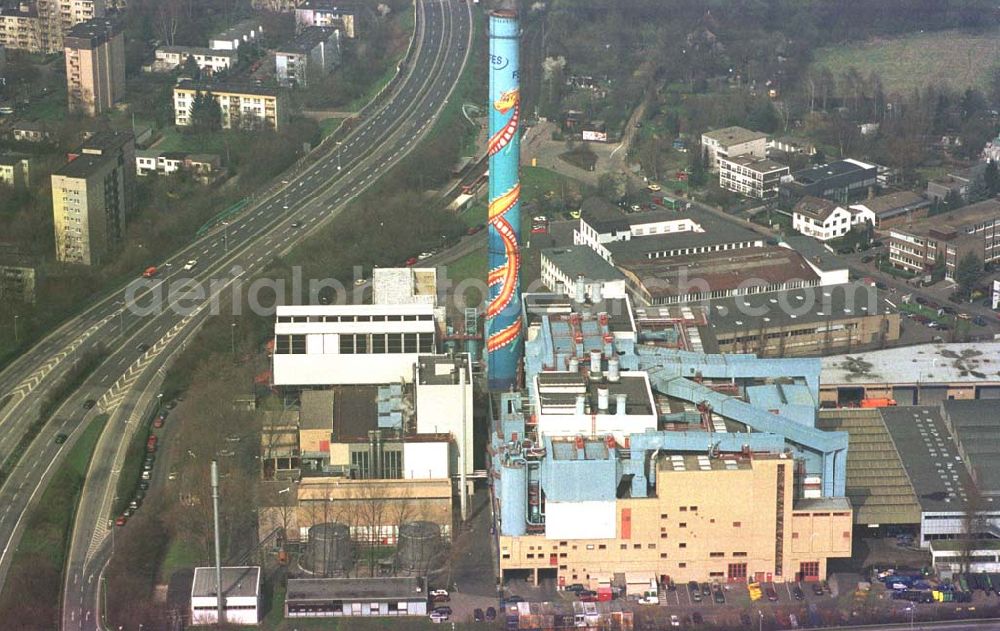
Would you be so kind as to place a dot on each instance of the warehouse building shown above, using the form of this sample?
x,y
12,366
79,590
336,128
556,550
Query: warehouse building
x,y
841,181
925,374
806,321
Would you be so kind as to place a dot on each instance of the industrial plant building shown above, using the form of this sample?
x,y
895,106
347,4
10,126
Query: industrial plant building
x,y
377,442
355,597
630,451
241,600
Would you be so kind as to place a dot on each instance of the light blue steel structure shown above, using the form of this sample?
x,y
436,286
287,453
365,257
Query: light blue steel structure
x,y
504,341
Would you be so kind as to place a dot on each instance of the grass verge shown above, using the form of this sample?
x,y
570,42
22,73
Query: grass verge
x,y
34,582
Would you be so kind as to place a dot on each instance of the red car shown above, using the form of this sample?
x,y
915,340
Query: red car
x,y
158,423
474,229
589,598
121,520
410,262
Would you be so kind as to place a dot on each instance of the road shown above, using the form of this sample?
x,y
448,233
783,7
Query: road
x,y
234,252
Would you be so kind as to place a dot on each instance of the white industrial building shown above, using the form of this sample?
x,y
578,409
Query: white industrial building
x,y
241,586
443,400
352,344
569,270
355,597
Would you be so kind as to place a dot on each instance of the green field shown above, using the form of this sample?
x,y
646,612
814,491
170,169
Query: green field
x,y
950,57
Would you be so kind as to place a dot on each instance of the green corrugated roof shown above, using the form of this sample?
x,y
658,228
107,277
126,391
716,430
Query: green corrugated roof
x,y
877,484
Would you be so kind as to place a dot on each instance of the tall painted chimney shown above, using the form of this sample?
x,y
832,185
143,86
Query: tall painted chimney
x,y
504,337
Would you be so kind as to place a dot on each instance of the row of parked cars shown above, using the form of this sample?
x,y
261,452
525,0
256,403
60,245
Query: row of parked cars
x,y
152,441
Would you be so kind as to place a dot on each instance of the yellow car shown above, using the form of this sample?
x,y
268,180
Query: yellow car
x,y
575,214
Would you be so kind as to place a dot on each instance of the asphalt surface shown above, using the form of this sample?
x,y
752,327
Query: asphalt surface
x,y
234,252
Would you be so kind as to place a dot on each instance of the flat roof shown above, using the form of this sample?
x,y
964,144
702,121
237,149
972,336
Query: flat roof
x,y
96,30
198,50
237,582
558,308
727,270
821,503
822,172
316,409
355,412
227,88
309,38
441,370
728,136
958,220
719,233
239,29
11,159
923,363
350,589
814,251
685,462
760,165
793,307
894,203
930,457
83,165
582,260
560,389
414,308
952,545
976,428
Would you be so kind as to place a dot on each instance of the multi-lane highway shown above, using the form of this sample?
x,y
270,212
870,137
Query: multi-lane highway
x,y
123,383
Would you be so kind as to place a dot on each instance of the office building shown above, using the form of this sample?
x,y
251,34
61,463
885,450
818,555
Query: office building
x,y
841,181
356,597
731,142
945,239
241,596
751,177
243,106
95,65
93,196
314,52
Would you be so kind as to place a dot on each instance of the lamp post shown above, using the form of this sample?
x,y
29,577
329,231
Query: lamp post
x,y
760,626
339,165
17,338
232,339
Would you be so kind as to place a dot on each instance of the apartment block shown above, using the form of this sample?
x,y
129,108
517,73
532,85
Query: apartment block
x,y
331,13
315,51
751,177
919,246
93,196
210,61
731,142
233,37
243,107
20,29
95,65
57,17
15,170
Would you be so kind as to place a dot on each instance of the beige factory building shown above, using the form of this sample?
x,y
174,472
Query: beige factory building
x,y
727,520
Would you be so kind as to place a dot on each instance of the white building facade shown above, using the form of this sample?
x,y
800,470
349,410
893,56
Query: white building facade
x,y
754,178
354,344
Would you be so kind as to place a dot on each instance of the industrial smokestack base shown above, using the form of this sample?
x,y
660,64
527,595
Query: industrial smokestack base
x,y
504,338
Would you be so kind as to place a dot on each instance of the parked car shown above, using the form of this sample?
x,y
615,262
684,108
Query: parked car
x,y
478,615
718,596
491,613
772,594
589,598
121,520
445,609
817,588
438,618
142,348
697,618
798,593
575,587
695,591
706,589
674,620
439,595
745,619
158,422
586,592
